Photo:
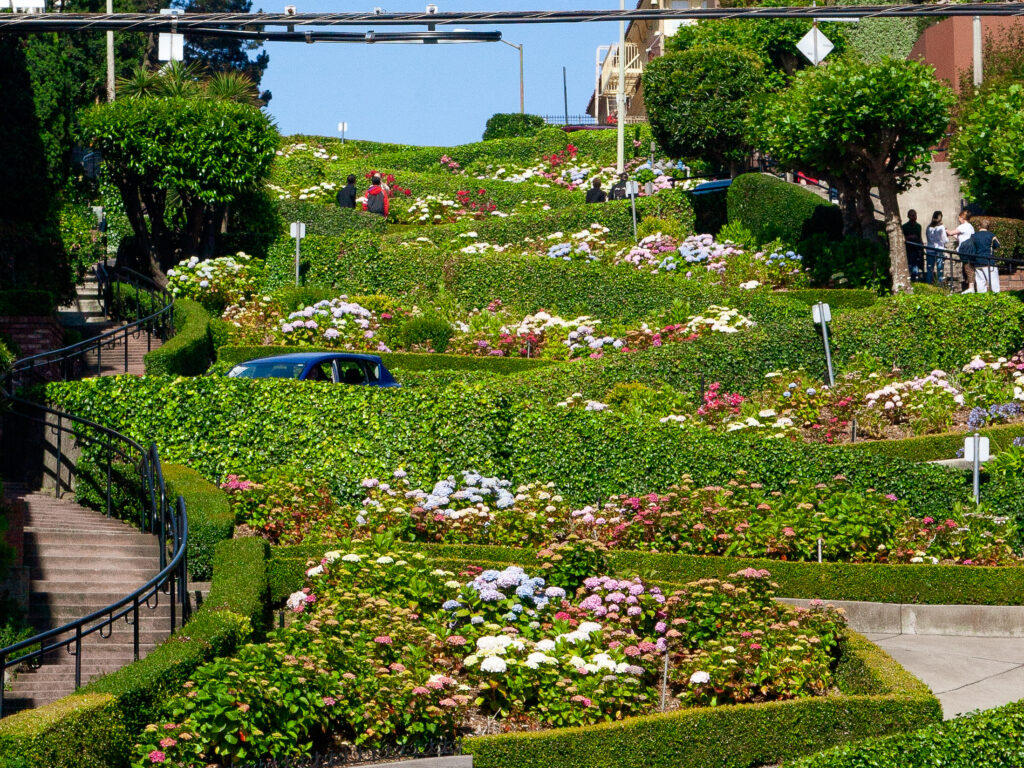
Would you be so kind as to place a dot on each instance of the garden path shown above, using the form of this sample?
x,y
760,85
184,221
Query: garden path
x,y
964,672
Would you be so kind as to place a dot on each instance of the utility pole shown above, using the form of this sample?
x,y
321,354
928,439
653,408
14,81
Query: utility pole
x,y
110,56
620,95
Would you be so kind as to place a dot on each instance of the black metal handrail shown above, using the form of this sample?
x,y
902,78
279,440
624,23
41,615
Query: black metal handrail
x,y
949,256
70,361
165,519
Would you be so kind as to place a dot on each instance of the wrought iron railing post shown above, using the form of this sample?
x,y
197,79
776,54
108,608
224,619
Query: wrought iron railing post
x,y
59,454
110,458
126,350
3,681
135,627
78,656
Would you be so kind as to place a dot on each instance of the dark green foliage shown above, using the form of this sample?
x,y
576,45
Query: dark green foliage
x,y
35,146
512,126
698,101
852,261
26,302
434,331
936,447
402,361
709,211
210,519
190,350
255,222
772,208
327,220
991,738
731,737
1010,233
94,728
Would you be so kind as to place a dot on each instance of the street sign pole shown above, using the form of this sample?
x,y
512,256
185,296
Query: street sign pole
x,y
298,231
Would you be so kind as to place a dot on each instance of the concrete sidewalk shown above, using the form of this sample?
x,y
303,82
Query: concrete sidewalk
x,y
965,673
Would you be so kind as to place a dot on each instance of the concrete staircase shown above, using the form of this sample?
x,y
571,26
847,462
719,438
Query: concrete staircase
x,y
85,311
112,359
79,562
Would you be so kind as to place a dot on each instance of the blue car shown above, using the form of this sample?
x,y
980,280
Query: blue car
x,y
339,367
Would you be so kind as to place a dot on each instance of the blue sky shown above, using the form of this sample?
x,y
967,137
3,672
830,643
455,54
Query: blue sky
x,y
437,94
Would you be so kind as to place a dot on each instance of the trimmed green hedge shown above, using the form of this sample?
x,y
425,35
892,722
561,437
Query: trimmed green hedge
x,y
28,303
345,434
395,361
993,739
210,519
94,727
512,125
329,220
82,731
937,447
868,582
836,298
189,351
772,208
730,736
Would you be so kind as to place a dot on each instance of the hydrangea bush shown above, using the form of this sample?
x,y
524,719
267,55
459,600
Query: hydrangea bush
x,y
382,649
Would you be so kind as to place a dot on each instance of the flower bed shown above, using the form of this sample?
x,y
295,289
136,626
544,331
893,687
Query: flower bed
x,y
738,519
385,649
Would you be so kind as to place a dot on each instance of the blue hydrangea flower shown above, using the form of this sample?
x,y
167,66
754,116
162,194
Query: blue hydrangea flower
x,y
451,605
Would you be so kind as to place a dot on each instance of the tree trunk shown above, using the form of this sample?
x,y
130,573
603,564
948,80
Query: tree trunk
x,y
893,228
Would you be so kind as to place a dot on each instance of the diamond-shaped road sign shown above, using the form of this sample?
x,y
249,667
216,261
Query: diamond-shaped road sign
x,y
815,46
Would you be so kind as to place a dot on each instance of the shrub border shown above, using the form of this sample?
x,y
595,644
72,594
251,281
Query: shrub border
x,y
733,736
189,351
210,518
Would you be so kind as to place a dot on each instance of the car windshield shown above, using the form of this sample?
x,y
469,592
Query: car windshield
x,y
269,370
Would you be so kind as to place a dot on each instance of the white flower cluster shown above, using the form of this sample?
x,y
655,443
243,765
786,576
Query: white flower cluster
x,y
891,396
195,277
719,320
576,399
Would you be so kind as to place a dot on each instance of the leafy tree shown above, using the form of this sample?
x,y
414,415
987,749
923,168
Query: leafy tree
x,y
225,54
988,149
178,161
697,102
773,41
860,125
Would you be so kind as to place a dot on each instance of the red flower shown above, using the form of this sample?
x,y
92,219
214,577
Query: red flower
x,y
481,191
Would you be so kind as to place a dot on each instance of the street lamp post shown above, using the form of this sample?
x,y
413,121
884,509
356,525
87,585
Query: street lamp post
x,y
522,93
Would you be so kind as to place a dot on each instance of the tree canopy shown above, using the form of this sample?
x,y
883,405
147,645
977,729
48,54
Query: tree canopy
x,y
698,100
988,149
178,161
861,125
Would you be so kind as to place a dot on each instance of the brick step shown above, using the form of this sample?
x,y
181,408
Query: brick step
x,y
68,565
84,536
109,552
115,583
56,615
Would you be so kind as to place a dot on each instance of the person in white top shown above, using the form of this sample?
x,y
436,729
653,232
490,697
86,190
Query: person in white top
x,y
962,234
936,237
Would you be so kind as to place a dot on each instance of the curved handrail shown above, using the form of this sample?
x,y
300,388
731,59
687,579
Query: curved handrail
x,y
159,516
109,280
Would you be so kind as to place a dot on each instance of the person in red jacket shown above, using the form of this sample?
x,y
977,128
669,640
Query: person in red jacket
x,y
377,200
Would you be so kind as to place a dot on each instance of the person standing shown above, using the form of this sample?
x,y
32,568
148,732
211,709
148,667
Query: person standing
x,y
915,253
595,194
935,255
347,194
964,247
986,272
377,200
618,189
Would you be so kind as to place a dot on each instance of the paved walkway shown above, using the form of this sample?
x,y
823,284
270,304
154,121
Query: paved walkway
x,y
965,673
